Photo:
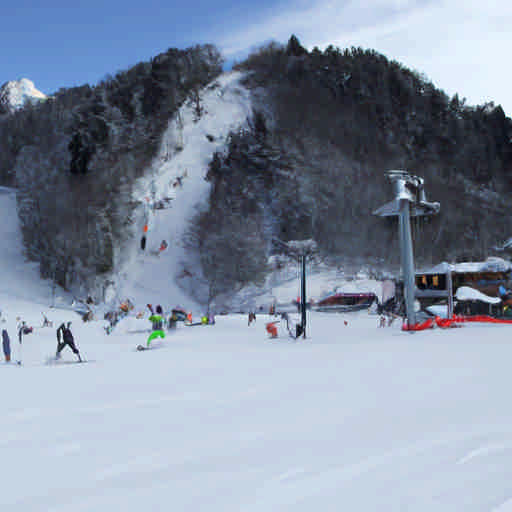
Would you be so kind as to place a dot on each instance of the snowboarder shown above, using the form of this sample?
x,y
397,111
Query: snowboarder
x,y
251,318
64,332
6,345
157,325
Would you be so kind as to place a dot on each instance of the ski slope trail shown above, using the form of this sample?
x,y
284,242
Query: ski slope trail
x,y
20,278
221,418
176,182
23,294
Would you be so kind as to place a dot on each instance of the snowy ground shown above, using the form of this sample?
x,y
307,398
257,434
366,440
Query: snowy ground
x,y
221,418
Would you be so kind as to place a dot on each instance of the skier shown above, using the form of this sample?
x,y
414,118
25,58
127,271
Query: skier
x,y
23,329
64,331
6,344
46,322
157,321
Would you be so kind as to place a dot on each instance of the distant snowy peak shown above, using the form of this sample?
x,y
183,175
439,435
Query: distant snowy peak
x,y
16,93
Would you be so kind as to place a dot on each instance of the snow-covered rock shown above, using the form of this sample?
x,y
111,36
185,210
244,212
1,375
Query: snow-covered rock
x,y
16,93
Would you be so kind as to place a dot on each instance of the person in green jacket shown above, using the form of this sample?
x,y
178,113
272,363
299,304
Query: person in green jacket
x,y
158,325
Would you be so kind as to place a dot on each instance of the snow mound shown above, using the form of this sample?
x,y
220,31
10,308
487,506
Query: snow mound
x,y
468,293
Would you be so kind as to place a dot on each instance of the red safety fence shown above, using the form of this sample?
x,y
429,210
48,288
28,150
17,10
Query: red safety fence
x,y
427,324
445,323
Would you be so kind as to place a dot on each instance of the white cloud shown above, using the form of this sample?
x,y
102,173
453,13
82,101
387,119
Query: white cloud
x,y
461,45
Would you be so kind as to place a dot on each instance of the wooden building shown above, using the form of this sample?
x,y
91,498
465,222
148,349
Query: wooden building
x,y
442,282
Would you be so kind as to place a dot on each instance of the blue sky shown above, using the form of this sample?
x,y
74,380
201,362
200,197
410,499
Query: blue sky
x,y
461,45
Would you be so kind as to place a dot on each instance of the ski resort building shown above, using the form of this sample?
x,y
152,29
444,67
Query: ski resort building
x,y
441,283
346,302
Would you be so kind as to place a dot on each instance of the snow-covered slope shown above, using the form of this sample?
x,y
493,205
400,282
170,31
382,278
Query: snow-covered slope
x,y
15,93
220,418
177,180
22,292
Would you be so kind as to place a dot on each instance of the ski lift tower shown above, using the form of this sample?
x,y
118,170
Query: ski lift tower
x,y
410,201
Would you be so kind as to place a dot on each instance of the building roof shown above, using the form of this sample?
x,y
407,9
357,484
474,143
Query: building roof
x,y
491,264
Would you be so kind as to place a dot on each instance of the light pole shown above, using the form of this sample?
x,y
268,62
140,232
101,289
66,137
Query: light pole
x,y
300,249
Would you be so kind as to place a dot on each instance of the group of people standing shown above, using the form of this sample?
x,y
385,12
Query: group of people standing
x,y
64,338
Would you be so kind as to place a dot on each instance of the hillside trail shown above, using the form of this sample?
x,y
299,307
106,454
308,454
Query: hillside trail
x,y
20,277
172,192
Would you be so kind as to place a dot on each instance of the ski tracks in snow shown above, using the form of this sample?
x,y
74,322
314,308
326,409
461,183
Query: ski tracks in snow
x,y
419,463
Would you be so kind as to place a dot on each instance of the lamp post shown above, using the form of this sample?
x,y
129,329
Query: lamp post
x,y
301,249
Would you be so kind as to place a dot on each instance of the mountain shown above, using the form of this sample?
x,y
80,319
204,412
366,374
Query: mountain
x,y
16,93
296,147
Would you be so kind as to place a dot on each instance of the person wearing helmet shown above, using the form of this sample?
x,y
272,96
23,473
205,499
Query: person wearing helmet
x,y
64,333
157,322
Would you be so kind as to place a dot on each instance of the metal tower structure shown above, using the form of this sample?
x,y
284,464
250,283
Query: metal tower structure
x,y
409,201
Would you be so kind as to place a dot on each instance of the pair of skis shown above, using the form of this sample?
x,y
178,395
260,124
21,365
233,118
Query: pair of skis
x,y
53,361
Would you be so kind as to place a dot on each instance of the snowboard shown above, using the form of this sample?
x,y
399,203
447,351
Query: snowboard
x,y
141,348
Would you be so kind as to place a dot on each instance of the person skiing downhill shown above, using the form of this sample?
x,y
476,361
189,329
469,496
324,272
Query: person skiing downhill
x,y
157,321
64,331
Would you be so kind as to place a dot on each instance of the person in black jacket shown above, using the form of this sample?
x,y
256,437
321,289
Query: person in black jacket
x,y
64,333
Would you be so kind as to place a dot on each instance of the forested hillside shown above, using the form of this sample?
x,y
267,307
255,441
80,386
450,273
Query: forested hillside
x,y
327,126
75,159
